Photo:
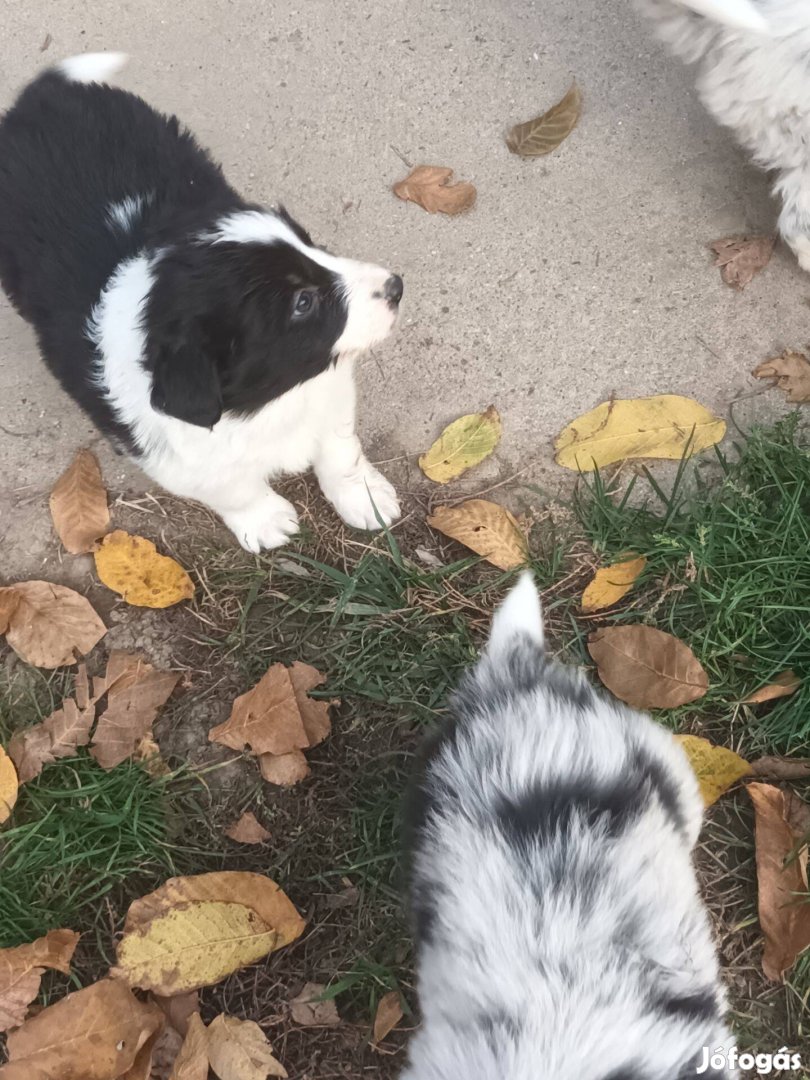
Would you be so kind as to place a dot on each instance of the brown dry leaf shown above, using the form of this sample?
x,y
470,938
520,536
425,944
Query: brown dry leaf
x,y
58,736
428,187
21,971
306,1010
781,768
716,768
284,770
132,567
266,719
147,754
248,830
784,914
791,372
9,786
783,685
9,599
164,1053
646,667
314,713
240,1050
142,1066
92,1034
611,583
179,1009
388,1015
485,528
192,1060
49,623
545,133
135,693
79,505
741,257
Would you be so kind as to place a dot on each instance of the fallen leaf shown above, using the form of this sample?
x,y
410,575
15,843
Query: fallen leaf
x,y
79,505
58,736
485,528
192,1060
179,1009
716,768
9,786
781,768
193,931
646,667
93,1034
284,770
240,1050
46,43
388,1015
9,601
248,830
21,971
783,685
611,583
797,816
132,567
741,257
307,1011
141,1068
266,719
314,712
428,187
136,692
462,444
49,623
547,131
791,372
784,913
148,756
665,426
165,1051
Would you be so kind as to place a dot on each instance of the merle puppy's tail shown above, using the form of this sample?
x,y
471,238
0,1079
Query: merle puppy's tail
x,y
91,67
518,618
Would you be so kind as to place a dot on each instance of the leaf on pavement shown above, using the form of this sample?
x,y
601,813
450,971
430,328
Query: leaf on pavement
x,y
21,970
545,133
48,624
646,667
716,768
79,505
428,186
240,1050
783,685
790,372
740,258
664,426
462,444
611,583
9,786
132,567
485,528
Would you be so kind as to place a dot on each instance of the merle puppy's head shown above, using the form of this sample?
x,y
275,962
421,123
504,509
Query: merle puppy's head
x,y
251,309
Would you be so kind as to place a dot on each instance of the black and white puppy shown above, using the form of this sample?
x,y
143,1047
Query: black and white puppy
x,y
208,337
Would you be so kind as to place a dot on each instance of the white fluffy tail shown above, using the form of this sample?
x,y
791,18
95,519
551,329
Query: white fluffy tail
x,y
519,615
741,14
92,67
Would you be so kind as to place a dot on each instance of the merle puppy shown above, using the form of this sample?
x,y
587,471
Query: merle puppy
x,y
208,337
560,933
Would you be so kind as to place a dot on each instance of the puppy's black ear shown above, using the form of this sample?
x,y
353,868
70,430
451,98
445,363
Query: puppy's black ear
x,y
185,382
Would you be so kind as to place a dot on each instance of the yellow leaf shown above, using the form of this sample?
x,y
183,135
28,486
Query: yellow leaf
x,y
132,567
715,767
462,444
666,426
9,786
611,583
546,132
239,1050
485,528
79,505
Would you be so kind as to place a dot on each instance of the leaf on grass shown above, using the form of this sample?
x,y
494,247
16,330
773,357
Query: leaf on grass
x,y
485,528
240,1050
428,187
266,719
192,1060
193,931
791,372
58,736
95,1033
314,713
79,505
784,913
21,971
741,257
148,756
547,131
611,583
781,768
9,786
716,768
646,667
664,426
136,692
783,685
388,1015
248,830
307,1011
132,567
284,770
48,624
462,444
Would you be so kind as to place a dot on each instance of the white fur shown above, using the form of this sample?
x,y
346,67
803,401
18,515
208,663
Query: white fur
x,y
519,613
92,67
123,215
228,466
757,84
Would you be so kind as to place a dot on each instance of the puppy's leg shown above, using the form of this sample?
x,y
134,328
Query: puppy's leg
x,y
255,514
346,477
793,186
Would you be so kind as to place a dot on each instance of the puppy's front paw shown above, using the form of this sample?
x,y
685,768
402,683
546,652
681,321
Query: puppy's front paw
x,y
355,497
266,524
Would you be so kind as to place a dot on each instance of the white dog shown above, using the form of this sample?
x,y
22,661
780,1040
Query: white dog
x,y
755,79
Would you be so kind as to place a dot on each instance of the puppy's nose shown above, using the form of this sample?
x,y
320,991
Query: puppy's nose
x,y
392,290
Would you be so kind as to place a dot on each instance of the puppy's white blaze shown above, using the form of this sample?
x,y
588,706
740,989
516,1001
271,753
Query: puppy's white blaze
x,y
519,614
738,13
92,67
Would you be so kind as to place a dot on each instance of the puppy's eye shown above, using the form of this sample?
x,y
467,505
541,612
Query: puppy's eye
x,y
303,302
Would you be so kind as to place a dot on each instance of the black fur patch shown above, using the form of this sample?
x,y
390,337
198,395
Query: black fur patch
x,y
701,1005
